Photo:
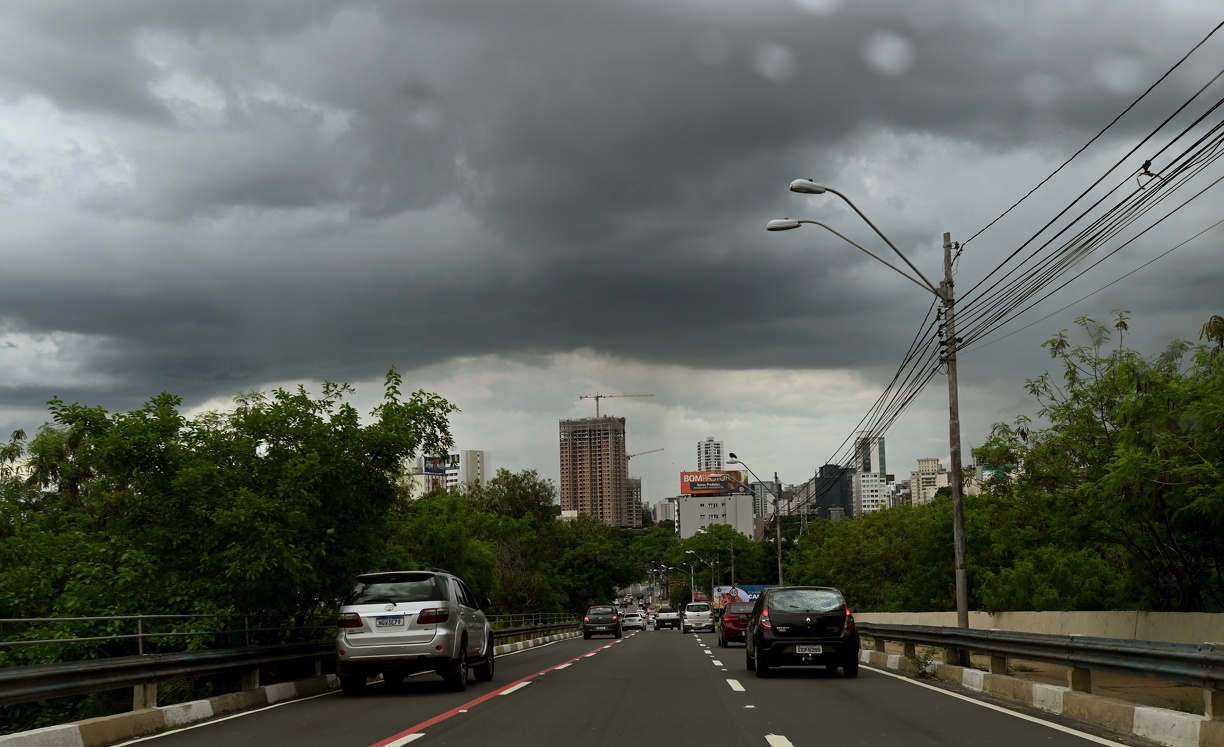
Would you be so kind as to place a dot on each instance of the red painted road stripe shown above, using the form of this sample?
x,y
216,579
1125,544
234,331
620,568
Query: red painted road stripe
x,y
473,703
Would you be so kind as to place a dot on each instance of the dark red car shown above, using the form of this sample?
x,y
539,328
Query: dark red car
x,y
734,622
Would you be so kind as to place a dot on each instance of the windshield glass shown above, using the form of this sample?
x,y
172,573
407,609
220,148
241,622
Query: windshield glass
x,y
806,600
407,589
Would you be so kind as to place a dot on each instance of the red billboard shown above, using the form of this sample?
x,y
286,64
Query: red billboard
x,y
712,483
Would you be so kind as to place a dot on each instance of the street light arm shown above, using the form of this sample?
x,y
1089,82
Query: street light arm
x,y
861,248
805,186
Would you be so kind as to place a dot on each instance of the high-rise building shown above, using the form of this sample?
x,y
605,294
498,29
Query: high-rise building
x,y
870,483
595,470
928,478
830,488
709,455
635,503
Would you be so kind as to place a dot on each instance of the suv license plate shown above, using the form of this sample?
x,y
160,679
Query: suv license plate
x,y
808,649
388,622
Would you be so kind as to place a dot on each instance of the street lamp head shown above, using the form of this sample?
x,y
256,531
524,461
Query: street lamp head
x,y
781,224
807,187
734,461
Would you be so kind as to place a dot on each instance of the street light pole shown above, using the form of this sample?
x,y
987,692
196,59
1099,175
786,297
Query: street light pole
x,y
777,509
950,342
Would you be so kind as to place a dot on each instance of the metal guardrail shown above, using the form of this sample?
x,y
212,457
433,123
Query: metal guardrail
x,y
1187,663
22,684
145,628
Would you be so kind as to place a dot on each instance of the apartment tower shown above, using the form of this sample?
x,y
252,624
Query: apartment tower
x,y
595,471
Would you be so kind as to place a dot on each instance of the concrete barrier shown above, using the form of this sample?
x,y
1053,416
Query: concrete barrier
x,y
107,730
1160,725
1173,627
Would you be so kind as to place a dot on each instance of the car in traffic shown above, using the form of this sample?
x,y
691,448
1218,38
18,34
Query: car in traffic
x,y
602,619
802,626
635,620
667,618
697,616
399,623
734,622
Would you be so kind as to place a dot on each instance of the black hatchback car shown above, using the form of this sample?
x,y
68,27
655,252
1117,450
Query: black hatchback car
x,y
802,626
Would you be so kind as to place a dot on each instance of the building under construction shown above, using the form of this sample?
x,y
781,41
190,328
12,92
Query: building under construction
x,y
595,471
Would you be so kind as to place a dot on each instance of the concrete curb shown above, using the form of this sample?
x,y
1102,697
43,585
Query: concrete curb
x,y
106,730
1160,725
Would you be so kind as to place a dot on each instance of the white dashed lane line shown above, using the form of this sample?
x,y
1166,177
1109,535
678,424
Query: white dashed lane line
x,y
519,686
736,686
716,663
777,740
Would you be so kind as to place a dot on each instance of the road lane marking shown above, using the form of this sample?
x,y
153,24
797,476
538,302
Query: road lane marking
x,y
392,740
405,740
512,688
716,663
777,740
563,666
736,686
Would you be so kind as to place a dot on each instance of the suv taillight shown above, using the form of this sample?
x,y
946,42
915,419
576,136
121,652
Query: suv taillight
x,y
849,620
433,615
765,623
348,620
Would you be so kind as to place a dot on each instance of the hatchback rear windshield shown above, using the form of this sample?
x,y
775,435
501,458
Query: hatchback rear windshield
x,y
422,587
806,600
740,607
601,611
698,607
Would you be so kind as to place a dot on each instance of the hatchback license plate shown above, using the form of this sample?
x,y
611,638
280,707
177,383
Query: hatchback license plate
x,y
808,649
388,622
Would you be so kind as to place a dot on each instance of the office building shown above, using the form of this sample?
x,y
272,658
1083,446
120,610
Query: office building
x,y
926,480
700,511
869,486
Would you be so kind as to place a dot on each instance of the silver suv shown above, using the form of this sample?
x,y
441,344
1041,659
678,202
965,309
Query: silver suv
x,y
696,616
401,622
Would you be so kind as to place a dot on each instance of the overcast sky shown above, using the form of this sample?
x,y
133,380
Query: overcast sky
x,y
518,202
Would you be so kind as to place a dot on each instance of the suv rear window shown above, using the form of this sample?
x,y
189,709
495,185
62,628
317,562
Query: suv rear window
x,y
806,600
698,607
419,587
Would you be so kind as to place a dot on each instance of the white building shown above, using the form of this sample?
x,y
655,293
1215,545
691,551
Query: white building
x,y
869,488
457,468
709,455
665,510
700,511
928,478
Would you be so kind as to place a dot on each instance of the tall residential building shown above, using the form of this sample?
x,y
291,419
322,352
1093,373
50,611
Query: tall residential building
x,y
869,486
595,470
635,503
696,512
762,498
709,455
928,478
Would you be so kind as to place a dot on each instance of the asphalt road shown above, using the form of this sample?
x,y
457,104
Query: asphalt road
x,y
649,688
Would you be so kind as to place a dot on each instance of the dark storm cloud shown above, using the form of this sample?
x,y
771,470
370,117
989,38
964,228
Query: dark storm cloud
x,y
320,189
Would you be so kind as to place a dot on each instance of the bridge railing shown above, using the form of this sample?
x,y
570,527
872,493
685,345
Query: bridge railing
x,y
1185,663
26,683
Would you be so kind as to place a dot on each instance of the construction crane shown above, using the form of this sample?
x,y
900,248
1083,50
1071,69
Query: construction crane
x,y
597,396
630,456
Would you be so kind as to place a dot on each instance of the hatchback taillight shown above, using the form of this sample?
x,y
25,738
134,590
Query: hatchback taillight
x,y
586,618
765,623
614,618
348,620
433,616
849,620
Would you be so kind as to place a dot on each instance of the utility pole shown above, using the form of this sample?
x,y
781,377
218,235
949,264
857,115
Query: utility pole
x,y
778,523
951,343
